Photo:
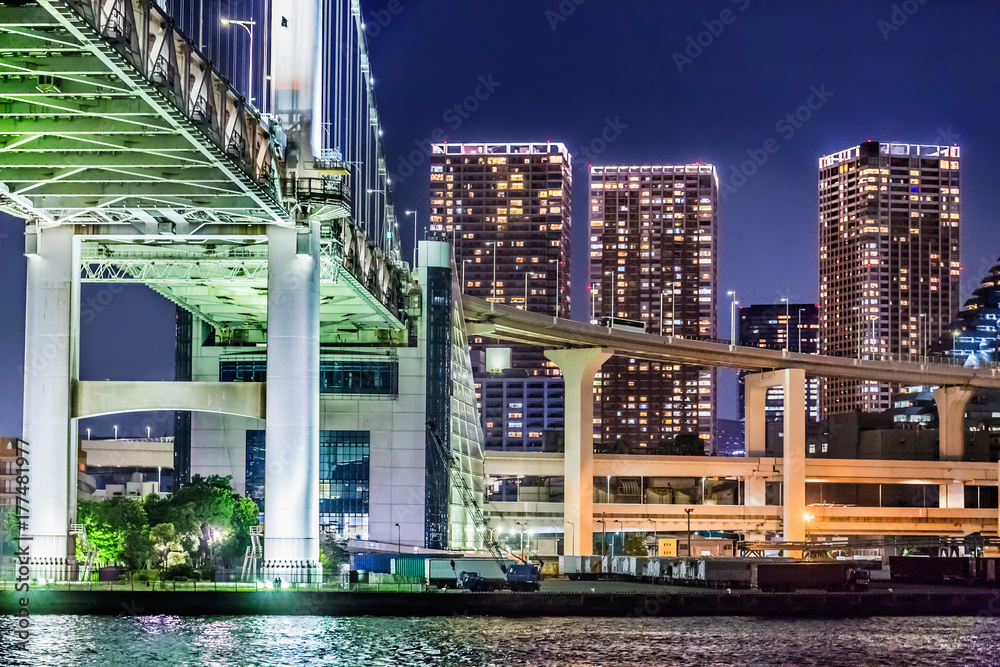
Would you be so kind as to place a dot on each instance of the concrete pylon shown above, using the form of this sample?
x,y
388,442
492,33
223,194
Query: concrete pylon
x,y
792,381
291,463
578,368
51,335
951,403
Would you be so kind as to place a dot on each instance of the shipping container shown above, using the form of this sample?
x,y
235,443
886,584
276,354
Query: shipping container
x,y
829,576
931,569
446,572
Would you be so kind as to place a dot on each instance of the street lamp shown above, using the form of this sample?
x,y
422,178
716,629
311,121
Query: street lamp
x,y
786,323
571,541
399,549
116,431
688,512
148,437
621,529
732,317
464,262
662,292
609,488
246,25
923,327
593,303
954,342
558,263
414,214
88,434
798,327
652,521
493,289
526,274
808,517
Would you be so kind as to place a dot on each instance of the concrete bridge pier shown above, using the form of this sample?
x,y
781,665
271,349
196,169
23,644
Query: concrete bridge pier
x,y
51,339
578,368
792,381
951,403
291,464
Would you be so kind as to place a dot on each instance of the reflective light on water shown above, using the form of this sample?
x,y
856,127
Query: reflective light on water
x,y
300,640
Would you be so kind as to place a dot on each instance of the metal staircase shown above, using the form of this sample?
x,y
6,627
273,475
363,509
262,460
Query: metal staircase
x,y
90,552
253,555
469,501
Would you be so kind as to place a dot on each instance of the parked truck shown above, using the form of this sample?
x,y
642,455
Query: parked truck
x,y
832,576
497,572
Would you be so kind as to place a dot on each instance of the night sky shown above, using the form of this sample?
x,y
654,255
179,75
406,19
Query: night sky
x,y
669,83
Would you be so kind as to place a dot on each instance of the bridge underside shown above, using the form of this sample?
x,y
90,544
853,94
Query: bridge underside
x,y
90,129
133,160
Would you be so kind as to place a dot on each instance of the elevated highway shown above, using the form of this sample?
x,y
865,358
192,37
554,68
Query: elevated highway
x,y
579,349
485,318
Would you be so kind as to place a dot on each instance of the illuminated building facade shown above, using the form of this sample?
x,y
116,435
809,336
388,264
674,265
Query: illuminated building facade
x,y
653,259
792,326
888,258
507,209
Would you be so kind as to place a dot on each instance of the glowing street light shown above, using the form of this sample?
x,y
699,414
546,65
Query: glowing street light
x,y
248,26
414,214
732,317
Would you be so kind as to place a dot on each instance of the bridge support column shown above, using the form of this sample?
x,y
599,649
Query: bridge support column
x,y
578,368
51,334
951,403
754,422
792,381
291,463
754,494
794,473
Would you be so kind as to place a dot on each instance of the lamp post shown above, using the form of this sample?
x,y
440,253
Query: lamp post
x,y
521,526
786,323
88,434
922,330
604,535
526,274
688,512
116,431
464,262
148,437
593,303
246,25
399,548
671,312
798,327
652,521
493,289
570,543
954,342
558,263
414,214
808,518
732,317
609,488
621,529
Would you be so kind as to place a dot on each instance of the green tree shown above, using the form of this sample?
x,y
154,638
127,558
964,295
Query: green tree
x,y
9,531
165,540
245,513
333,553
635,545
117,529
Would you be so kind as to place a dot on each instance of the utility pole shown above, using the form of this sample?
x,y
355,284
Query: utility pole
x,y
688,512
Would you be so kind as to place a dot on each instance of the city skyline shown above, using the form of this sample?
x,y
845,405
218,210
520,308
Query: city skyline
x,y
722,107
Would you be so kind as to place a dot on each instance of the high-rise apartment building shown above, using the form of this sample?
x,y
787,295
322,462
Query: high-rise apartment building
x,y
653,259
507,209
888,258
781,326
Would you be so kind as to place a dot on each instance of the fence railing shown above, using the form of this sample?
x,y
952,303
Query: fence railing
x,y
221,586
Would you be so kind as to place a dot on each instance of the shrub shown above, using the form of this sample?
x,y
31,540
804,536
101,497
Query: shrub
x,y
181,572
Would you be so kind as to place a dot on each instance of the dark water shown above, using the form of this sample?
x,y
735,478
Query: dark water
x,y
314,640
